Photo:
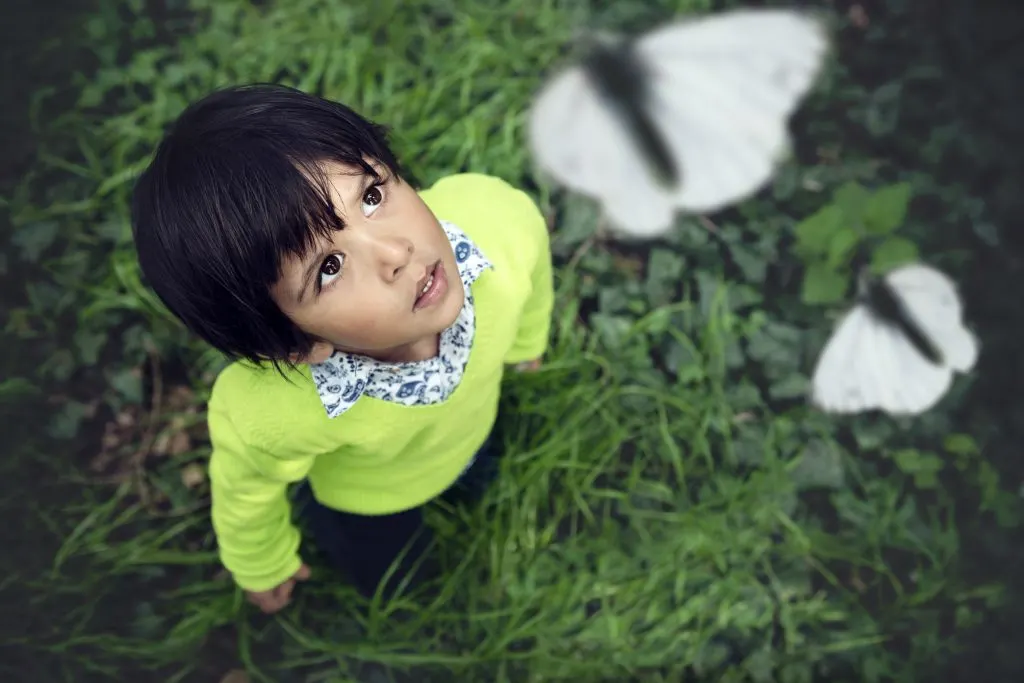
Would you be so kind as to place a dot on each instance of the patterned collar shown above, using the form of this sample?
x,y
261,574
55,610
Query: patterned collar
x,y
343,378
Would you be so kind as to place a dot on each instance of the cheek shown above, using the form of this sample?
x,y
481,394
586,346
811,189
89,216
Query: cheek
x,y
368,320
424,223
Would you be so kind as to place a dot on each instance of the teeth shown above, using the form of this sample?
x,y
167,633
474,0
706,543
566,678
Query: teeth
x,y
427,286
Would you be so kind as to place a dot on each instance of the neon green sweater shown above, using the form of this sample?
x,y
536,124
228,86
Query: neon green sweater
x,y
378,457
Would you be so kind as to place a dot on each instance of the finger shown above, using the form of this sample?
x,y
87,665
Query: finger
x,y
268,604
284,591
303,572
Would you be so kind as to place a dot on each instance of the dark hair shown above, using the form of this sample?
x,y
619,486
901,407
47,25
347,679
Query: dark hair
x,y
235,186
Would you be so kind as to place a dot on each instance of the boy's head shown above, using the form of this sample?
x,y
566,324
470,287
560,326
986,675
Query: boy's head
x,y
276,226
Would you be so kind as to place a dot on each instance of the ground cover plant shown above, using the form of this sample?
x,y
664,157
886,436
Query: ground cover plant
x,y
671,508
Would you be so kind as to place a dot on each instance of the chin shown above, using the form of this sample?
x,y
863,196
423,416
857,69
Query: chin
x,y
452,314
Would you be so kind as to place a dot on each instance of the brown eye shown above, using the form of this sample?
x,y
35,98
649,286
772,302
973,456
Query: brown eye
x,y
372,199
373,196
330,269
331,265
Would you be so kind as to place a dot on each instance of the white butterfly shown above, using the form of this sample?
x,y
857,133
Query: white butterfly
x,y
897,350
692,116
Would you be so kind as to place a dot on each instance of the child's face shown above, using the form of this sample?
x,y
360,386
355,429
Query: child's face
x,y
361,291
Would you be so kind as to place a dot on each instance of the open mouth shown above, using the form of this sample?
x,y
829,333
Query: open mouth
x,y
432,288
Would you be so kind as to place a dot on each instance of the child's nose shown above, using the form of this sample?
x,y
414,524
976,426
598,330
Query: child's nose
x,y
396,255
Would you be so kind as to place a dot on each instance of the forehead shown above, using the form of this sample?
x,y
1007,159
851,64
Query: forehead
x,y
342,181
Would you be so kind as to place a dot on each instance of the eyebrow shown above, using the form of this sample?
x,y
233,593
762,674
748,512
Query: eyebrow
x,y
318,254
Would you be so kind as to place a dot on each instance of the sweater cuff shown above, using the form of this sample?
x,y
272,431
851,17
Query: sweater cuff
x,y
256,583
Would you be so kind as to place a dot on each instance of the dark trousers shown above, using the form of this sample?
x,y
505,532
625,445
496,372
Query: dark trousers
x,y
366,546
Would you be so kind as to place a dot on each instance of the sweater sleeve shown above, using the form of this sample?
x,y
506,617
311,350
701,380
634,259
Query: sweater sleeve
x,y
535,322
251,516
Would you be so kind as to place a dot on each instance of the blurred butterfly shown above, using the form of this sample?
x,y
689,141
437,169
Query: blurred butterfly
x,y
898,348
692,116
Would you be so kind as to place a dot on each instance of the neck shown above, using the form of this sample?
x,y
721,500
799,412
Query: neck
x,y
421,349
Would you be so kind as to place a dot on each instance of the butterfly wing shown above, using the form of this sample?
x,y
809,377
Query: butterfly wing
x,y
868,365
908,383
723,88
580,143
931,298
842,382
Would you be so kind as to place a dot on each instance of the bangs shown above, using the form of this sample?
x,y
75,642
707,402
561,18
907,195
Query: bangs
x,y
309,190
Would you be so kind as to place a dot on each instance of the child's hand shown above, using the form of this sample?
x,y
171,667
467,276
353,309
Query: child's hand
x,y
276,598
529,366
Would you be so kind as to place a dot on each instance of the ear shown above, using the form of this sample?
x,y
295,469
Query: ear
x,y
320,352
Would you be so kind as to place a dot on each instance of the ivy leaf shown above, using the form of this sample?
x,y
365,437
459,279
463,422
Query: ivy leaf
x,y
820,466
751,264
824,285
664,270
892,253
681,361
89,343
887,209
923,467
708,286
883,111
774,347
962,447
872,435
851,198
842,246
65,424
960,444
761,665
690,235
814,233
34,238
612,300
16,388
128,385
791,386
665,264
577,223
787,181
612,329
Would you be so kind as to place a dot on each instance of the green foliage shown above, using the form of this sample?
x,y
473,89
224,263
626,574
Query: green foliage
x,y
857,219
670,505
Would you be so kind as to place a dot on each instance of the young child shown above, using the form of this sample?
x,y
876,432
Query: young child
x,y
370,325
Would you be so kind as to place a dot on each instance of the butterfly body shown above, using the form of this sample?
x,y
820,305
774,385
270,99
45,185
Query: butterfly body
x,y
623,82
884,304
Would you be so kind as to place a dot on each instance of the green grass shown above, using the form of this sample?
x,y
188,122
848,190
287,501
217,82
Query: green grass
x,y
669,506
618,543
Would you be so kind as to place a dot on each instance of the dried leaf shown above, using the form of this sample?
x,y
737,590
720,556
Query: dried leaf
x,y
192,475
162,443
180,443
111,437
91,408
180,398
858,16
632,265
236,676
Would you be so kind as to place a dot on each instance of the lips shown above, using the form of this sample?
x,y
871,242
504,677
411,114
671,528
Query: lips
x,y
424,282
431,287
